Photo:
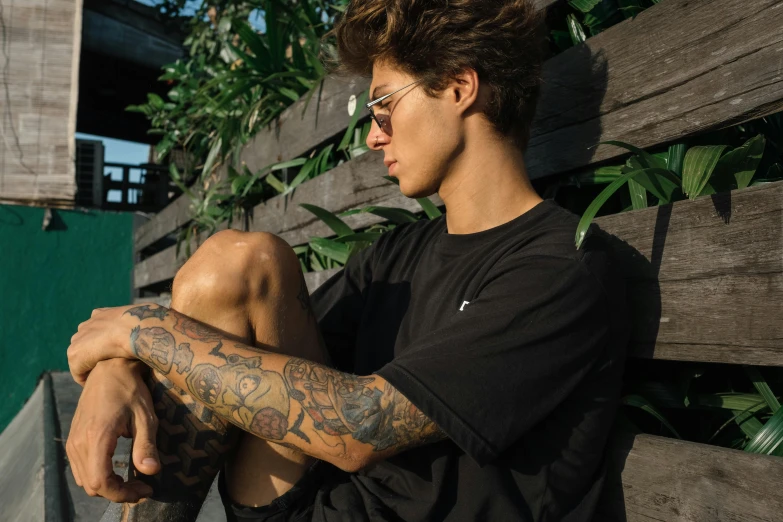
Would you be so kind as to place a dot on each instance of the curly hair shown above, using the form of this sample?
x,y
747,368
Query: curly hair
x,y
434,40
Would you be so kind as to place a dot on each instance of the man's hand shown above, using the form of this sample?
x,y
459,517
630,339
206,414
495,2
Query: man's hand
x,y
105,335
115,402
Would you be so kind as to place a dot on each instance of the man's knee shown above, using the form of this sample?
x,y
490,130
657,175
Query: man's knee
x,y
235,267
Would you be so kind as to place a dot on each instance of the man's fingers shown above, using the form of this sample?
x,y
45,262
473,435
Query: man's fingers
x,y
97,472
120,491
145,453
73,460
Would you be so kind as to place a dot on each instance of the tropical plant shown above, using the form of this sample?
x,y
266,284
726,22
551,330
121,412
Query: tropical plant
x,y
732,406
324,253
687,170
234,196
237,80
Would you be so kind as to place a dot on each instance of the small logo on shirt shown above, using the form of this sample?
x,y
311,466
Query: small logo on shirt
x,y
463,305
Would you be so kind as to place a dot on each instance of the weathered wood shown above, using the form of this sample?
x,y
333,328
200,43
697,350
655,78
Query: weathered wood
x,y
685,82
706,276
659,479
353,184
316,279
654,79
708,285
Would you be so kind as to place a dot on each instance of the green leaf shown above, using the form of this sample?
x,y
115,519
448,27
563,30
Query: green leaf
x,y
646,160
697,168
575,29
662,183
286,164
212,157
726,401
606,193
767,440
638,401
322,160
638,194
331,249
676,157
303,174
739,165
745,419
429,208
238,183
583,5
255,43
359,236
155,100
275,183
599,176
289,93
397,215
332,221
762,387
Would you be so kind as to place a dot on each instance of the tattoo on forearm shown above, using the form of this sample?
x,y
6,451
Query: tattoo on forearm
x,y
241,391
196,330
157,347
342,404
296,428
144,311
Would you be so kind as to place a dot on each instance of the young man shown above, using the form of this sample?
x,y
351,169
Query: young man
x,y
466,368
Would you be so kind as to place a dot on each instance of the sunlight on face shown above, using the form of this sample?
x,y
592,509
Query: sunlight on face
x,y
421,145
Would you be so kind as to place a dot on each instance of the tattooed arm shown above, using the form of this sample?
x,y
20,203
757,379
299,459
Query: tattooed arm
x,y
345,419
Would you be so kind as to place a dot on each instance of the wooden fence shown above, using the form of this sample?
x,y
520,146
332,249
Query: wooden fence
x,y
706,276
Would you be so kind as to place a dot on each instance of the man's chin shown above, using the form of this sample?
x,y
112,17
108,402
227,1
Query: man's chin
x,y
416,191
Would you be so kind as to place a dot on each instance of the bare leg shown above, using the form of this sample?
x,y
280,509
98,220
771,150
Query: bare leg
x,y
248,285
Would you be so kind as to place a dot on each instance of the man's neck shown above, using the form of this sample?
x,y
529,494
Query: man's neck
x,y
487,187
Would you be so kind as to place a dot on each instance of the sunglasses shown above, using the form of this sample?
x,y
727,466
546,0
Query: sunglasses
x,y
381,118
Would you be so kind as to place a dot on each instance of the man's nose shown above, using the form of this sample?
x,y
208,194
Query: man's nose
x,y
375,136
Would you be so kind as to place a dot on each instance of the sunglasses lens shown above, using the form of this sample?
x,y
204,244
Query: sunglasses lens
x,y
384,122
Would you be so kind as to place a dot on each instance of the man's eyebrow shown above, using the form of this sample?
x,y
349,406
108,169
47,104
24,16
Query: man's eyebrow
x,y
376,94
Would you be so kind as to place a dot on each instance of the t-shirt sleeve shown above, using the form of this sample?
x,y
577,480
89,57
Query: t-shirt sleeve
x,y
338,305
512,355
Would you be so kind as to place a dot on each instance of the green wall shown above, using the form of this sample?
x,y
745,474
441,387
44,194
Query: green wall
x,y
50,281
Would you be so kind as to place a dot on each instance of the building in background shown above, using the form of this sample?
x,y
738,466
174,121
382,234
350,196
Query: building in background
x,y
68,67
73,66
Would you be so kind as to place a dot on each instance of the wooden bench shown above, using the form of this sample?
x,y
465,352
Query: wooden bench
x,y
679,68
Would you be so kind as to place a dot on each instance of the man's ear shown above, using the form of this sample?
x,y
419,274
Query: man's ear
x,y
464,90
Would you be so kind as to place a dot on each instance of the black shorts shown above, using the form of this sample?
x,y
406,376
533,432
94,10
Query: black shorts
x,y
295,505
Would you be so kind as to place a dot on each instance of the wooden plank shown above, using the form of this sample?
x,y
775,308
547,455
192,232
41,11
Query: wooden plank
x,y
654,79
350,185
706,277
175,215
659,479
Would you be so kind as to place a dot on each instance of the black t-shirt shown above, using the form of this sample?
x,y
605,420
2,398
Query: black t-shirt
x,y
510,340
